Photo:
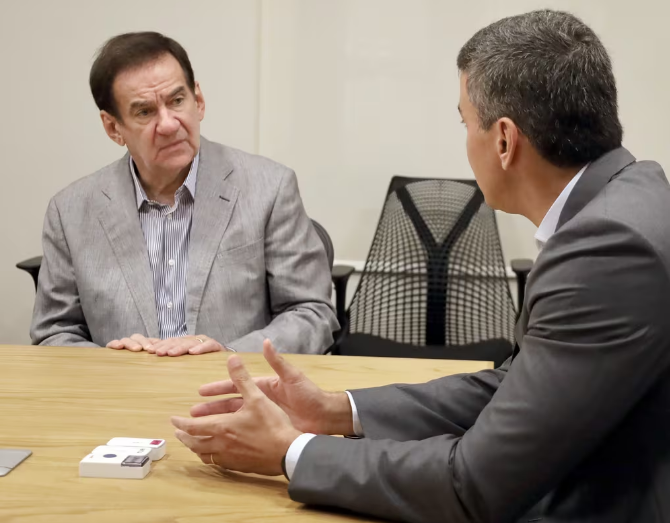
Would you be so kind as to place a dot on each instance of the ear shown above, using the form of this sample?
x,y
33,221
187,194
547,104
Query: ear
x,y
199,101
111,125
507,140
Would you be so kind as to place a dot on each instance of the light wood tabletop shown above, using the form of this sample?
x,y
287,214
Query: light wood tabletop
x,y
63,402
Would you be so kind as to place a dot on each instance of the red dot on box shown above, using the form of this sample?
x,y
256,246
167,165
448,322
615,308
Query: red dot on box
x,y
156,442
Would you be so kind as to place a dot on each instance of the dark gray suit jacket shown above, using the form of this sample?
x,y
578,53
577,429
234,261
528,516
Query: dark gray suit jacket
x,y
576,428
256,268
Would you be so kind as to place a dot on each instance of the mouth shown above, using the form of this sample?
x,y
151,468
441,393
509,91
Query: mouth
x,y
172,146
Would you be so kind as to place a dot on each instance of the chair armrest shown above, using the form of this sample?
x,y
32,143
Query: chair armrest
x,y
521,269
340,276
31,266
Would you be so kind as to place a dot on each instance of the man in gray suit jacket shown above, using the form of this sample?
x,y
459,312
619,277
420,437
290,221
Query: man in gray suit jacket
x,y
575,427
183,245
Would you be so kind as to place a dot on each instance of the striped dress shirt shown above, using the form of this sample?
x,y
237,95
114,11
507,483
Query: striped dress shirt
x,y
167,231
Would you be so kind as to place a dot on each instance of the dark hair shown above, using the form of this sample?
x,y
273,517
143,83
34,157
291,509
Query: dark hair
x,y
549,73
127,51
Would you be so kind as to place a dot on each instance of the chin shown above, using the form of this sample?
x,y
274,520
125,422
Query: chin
x,y
178,161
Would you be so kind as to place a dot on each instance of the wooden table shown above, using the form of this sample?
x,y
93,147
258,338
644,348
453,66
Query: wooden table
x,y
63,402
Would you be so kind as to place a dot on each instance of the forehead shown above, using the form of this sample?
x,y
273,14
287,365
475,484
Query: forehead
x,y
157,77
464,100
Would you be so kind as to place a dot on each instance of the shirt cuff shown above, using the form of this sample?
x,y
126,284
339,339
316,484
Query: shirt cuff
x,y
294,451
358,428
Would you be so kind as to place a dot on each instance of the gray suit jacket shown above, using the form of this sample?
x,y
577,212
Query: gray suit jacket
x,y
576,428
257,268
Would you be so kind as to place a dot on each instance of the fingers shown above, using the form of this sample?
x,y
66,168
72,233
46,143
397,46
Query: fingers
x,y
151,349
167,347
186,345
136,343
241,378
197,444
223,406
284,370
194,426
209,459
174,346
221,388
210,345
142,340
218,388
131,345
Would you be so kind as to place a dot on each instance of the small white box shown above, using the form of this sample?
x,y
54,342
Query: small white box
x,y
117,463
157,446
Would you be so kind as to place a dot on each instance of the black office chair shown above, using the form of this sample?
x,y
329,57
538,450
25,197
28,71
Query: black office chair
x,y
434,283
32,265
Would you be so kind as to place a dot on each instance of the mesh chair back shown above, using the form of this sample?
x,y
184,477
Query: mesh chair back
x,y
435,274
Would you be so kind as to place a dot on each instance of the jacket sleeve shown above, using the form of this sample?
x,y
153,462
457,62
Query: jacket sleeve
x,y
58,319
298,280
379,408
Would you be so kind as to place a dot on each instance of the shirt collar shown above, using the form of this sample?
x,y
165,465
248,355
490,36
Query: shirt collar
x,y
189,182
548,226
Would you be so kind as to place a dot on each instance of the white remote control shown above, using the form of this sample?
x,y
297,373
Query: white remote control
x,y
116,462
157,446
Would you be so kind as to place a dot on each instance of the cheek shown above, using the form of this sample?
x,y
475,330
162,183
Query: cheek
x,y
473,152
137,141
190,122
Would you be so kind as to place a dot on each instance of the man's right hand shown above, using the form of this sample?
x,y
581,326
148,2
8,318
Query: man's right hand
x,y
136,343
309,408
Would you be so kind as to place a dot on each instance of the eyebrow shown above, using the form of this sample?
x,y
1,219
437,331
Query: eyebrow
x,y
142,104
179,90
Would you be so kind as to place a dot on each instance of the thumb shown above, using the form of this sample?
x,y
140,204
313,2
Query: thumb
x,y
284,370
240,377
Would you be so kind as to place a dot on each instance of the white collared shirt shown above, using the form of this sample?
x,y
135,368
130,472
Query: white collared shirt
x,y
548,226
545,231
167,232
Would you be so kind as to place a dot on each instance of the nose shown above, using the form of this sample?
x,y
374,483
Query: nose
x,y
167,123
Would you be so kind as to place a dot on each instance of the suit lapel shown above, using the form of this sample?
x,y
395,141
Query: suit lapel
x,y
597,175
120,220
214,203
594,179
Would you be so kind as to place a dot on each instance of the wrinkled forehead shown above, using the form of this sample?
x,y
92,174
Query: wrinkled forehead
x,y
157,79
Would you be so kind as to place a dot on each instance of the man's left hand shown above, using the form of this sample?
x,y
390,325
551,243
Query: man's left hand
x,y
254,438
199,344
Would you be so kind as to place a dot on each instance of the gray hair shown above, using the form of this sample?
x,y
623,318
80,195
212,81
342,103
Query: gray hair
x,y
549,73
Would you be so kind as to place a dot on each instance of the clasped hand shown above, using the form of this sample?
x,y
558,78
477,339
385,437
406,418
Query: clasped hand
x,y
253,431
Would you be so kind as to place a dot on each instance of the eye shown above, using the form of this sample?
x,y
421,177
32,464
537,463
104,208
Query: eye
x,y
142,113
178,101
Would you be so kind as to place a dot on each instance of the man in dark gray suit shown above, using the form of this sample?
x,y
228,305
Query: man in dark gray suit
x,y
183,246
575,427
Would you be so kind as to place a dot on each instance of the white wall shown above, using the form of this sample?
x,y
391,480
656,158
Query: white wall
x,y
347,92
